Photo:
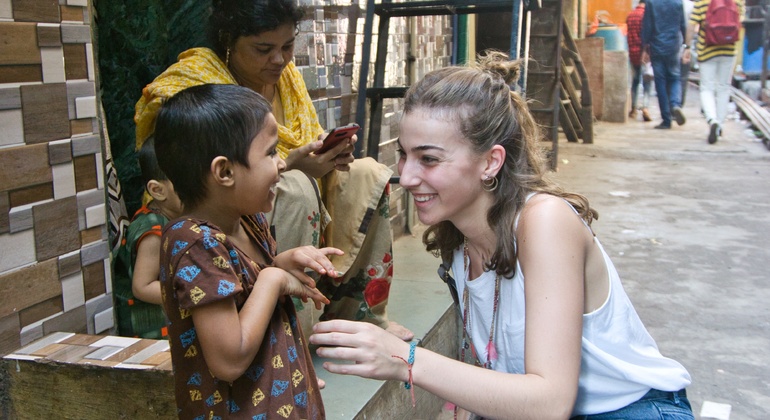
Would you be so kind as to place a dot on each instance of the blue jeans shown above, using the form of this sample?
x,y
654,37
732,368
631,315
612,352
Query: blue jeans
x,y
668,84
646,87
653,405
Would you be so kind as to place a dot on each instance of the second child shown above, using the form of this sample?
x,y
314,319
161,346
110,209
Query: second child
x,y
236,346
136,286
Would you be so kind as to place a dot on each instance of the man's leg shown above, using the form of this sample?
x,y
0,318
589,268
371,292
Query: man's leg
x,y
708,81
724,75
659,70
675,88
685,77
635,78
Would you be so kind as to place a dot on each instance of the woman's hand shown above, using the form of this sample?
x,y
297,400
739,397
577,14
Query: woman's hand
x,y
297,260
370,347
316,166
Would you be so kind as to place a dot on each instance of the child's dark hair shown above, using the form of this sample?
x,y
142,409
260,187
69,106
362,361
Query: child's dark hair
x,y
231,19
200,123
148,162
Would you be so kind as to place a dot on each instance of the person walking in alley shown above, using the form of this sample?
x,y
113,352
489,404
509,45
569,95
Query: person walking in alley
x,y
663,33
638,62
716,58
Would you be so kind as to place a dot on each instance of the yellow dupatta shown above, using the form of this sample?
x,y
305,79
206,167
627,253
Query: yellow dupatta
x,y
199,66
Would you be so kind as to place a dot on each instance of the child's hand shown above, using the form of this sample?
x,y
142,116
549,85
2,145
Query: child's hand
x,y
295,287
298,260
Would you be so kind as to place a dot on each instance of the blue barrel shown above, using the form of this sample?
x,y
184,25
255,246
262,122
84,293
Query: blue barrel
x,y
613,37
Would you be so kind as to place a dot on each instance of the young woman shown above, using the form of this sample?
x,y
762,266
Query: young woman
x,y
548,330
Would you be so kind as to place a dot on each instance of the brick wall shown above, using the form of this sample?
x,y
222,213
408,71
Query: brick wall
x,y
54,253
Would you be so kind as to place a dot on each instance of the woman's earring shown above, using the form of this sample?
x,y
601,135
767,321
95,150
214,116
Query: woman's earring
x,y
489,183
227,57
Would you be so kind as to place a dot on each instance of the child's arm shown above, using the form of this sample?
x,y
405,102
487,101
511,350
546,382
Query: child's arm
x,y
145,284
230,339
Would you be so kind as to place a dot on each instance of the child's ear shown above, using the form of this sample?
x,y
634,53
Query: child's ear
x,y
157,190
222,171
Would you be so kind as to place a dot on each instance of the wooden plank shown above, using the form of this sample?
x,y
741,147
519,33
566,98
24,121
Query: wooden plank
x,y
86,145
19,44
36,11
11,127
10,98
89,236
591,52
48,35
5,206
85,173
40,311
69,263
24,166
84,126
75,34
90,391
31,194
59,151
73,14
26,287
23,73
9,334
56,228
46,116
71,321
93,280
75,62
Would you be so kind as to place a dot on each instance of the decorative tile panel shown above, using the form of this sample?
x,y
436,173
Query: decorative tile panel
x,y
53,64
75,61
24,166
48,35
18,251
36,10
56,228
28,286
19,44
11,127
45,112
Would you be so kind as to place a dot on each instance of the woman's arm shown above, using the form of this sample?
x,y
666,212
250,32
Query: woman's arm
x,y
231,339
316,166
144,283
552,242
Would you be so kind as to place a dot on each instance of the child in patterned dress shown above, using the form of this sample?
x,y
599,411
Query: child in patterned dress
x,y
236,346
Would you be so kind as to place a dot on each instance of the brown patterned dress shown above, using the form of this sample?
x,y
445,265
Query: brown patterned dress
x,y
200,265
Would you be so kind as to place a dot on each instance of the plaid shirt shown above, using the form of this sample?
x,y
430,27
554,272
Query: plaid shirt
x,y
634,24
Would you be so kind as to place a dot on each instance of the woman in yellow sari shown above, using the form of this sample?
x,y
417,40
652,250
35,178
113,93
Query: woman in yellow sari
x,y
330,198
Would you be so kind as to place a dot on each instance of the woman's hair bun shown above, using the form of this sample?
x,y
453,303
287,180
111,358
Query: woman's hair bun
x,y
498,63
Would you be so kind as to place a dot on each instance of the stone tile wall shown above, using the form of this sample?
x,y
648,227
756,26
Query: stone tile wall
x,y
54,253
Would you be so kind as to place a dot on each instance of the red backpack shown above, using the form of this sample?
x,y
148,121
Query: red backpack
x,y
723,23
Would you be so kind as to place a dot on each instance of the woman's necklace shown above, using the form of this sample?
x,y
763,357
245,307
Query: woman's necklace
x,y
467,342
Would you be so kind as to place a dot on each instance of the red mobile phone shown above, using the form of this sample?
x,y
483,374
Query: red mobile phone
x,y
336,136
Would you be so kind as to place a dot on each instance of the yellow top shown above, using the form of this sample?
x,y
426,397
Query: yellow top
x,y
198,66
697,17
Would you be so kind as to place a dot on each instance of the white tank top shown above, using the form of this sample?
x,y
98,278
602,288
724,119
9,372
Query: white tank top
x,y
620,361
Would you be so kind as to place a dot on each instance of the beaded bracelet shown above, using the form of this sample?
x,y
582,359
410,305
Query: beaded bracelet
x,y
409,363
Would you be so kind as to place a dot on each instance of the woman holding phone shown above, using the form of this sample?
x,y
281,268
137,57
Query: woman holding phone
x,y
322,196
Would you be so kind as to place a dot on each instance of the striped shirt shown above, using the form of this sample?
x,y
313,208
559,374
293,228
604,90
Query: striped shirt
x,y
697,17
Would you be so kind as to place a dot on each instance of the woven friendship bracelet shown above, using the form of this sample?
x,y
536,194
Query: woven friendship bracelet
x,y
409,363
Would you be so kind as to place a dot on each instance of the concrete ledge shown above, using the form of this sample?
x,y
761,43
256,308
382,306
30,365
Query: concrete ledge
x,y
396,401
